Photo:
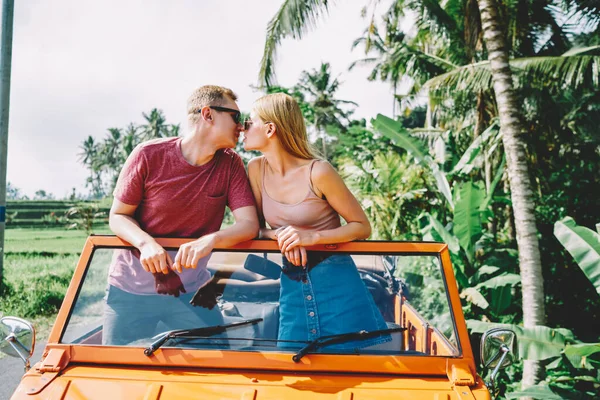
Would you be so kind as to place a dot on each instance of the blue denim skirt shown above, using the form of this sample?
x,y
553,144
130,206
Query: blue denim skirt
x,y
327,299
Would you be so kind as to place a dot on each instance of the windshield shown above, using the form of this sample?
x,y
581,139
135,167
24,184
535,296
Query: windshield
x,y
260,302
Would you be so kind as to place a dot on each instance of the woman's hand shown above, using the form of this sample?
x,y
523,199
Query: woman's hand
x,y
296,256
290,237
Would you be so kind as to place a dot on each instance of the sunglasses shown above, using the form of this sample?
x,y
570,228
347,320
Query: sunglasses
x,y
236,114
248,123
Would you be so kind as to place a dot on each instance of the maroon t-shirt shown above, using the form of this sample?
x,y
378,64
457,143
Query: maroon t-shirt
x,y
176,199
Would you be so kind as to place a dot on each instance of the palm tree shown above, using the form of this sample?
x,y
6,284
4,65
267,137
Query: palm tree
x,y
131,138
518,173
90,157
320,88
441,32
155,126
393,59
89,149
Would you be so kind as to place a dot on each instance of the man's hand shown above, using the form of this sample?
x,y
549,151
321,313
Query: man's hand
x,y
290,237
190,253
168,283
155,259
297,256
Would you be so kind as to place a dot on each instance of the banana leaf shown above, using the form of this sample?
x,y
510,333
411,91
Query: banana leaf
x,y
500,280
536,343
578,354
541,391
447,237
583,244
467,217
465,164
500,299
473,295
398,134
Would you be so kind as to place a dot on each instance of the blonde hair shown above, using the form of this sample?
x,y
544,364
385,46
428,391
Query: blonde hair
x,y
283,111
207,95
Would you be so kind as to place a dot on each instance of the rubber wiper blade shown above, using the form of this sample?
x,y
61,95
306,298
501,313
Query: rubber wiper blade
x,y
206,331
324,341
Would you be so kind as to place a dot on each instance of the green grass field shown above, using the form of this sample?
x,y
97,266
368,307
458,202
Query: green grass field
x,y
38,266
36,241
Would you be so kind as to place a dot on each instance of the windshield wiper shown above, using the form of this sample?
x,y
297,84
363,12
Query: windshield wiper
x,y
341,338
197,332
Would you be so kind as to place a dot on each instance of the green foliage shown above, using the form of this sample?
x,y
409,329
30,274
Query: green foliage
x,y
467,216
43,214
385,186
83,216
536,343
36,284
584,245
104,159
400,136
573,69
291,20
14,193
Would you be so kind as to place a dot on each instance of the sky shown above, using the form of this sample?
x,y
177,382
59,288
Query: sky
x,y
80,67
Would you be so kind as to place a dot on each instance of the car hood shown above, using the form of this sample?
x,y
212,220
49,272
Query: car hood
x,y
91,382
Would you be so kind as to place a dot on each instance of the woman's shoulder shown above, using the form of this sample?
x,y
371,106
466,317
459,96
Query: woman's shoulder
x,y
322,169
255,162
254,166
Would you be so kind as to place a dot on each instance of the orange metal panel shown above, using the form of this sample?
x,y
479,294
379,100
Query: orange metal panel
x,y
170,357
146,383
265,245
459,317
67,304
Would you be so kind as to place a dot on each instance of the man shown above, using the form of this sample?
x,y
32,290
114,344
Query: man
x,y
176,187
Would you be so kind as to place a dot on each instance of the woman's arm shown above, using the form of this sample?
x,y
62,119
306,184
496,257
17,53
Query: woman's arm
x,y
327,182
254,176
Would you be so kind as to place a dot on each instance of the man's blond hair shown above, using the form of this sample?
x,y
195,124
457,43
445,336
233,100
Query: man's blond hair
x,y
208,95
283,111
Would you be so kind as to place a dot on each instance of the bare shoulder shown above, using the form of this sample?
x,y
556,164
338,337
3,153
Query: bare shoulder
x,y
254,166
323,171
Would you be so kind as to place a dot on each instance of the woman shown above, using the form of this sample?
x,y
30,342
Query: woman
x,y
302,198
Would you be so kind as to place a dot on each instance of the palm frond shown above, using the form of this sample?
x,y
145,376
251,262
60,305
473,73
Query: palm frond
x,y
293,18
364,61
468,78
566,71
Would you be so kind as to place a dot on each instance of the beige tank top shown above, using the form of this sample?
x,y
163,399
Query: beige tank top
x,y
311,213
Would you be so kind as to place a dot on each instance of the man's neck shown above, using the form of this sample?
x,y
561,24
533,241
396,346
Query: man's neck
x,y
197,150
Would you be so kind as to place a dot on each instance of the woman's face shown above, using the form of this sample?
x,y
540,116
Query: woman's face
x,y
255,133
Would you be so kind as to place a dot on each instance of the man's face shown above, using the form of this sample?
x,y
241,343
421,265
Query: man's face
x,y
227,124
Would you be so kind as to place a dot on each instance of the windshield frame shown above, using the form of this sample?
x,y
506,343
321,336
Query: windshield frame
x,y
183,357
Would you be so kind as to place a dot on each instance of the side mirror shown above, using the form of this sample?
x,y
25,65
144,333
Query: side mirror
x,y
498,350
18,338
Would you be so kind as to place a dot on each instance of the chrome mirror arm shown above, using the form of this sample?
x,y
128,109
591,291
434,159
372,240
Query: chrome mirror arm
x,y
18,347
492,380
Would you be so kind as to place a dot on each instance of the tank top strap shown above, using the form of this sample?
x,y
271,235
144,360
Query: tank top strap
x,y
310,184
263,168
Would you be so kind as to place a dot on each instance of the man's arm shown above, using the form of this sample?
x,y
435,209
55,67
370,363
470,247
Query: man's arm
x,y
245,228
152,256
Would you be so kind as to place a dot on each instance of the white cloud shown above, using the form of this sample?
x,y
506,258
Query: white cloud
x,y
82,66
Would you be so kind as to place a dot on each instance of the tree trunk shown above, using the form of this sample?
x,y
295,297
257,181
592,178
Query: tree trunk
x,y
518,174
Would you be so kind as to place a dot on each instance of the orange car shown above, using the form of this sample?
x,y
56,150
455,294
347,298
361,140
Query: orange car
x,y
429,355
